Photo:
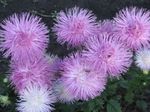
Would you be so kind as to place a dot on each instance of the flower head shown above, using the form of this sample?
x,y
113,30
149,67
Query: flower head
x,y
38,72
55,62
80,79
74,26
35,99
105,53
133,27
24,37
143,59
62,93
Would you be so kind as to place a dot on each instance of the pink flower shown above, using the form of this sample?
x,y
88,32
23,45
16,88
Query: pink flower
x,y
37,73
105,53
80,79
133,27
74,26
106,26
24,37
62,93
54,61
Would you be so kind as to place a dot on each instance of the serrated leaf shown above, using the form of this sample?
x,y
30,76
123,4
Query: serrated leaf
x,y
113,106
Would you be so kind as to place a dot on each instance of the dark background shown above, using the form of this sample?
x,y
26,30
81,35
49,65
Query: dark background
x,y
47,9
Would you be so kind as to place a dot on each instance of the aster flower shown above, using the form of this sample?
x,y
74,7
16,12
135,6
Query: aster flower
x,y
106,53
62,93
143,59
80,79
106,26
35,99
74,26
24,37
133,27
38,73
55,62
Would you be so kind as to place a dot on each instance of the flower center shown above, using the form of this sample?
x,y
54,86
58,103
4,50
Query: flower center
x,y
134,30
37,101
77,27
106,53
82,75
23,39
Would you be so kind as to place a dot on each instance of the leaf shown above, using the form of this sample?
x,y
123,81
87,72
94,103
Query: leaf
x,y
113,106
90,106
124,84
129,97
111,89
141,104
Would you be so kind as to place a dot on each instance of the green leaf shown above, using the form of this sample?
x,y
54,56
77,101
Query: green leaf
x,y
141,104
124,84
129,97
113,106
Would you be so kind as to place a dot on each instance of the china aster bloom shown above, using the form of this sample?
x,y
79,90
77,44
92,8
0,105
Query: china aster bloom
x,y
133,27
80,79
74,26
106,26
106,53
35,99
143,59
38,72
55,62
62,93
24,37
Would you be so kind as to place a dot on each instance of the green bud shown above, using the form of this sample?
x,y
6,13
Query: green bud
x,y
144,83
145,72
4,100
5,80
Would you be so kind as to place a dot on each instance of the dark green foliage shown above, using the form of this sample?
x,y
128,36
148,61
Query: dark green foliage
x,y
113,106
131,93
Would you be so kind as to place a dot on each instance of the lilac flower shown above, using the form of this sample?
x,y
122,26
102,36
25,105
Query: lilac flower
x,y
38,73
54,61
105,53
133,27
24,37
62,93
80,79
74,26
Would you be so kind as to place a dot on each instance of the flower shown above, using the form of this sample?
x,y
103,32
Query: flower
x,y
143,59
62,93
74,26
24,37
133,27
55,62
106,53
106,26
80,79
38,73
35,99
